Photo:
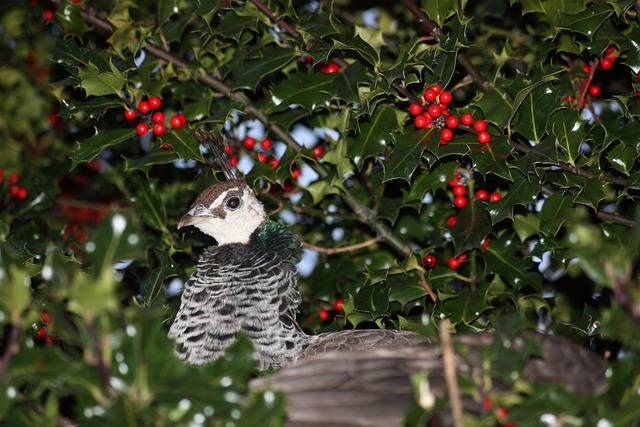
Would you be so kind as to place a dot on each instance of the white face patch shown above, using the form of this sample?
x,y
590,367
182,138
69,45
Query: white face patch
x,y
229,225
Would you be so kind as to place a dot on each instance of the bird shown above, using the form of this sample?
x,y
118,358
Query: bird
x,y
247,284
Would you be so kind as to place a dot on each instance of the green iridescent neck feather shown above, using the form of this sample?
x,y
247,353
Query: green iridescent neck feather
x,y
274,236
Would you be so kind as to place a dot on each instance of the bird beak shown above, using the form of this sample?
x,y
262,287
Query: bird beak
x,y
199,213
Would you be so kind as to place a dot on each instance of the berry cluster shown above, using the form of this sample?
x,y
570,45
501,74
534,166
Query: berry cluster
x,y
329,68
434,113
326,314
14,190
460,200
265,146
40,334
153,119
605,62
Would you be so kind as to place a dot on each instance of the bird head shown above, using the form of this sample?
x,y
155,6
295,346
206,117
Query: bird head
x,y
228,211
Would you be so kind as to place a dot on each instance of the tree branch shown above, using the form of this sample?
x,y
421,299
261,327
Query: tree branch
x,y
450,373
331,251
12,345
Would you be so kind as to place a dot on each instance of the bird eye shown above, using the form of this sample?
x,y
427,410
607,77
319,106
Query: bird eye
x,y
233,203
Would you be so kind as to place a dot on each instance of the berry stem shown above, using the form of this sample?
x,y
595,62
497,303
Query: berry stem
x,y
593,66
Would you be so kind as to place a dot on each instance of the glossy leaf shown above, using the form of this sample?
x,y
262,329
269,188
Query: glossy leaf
x,y
102,139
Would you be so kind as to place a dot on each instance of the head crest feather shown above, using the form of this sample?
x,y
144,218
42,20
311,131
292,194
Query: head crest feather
x,y
214,143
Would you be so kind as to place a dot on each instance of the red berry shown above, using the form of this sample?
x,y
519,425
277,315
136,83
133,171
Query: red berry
x,y
452,220
338,304
482,195
459,190
594,90
444,111
323,315
501,412
330,68
47,15
183,118
610,50
296,172
13,191
142,129
22,193
249,142
466,119
415,109
485,243
262,157
487,403
446,134
484,137
437,88
274,162
144,107
434,110
429,261
420,121
233,160
166,146
430,95
638,93
453,263
638,75
155,102
266,144
494,197
45,317
569,99
13,178
586,68
318,151
175,121
42,332
158,117
606,63
159,129
130,115
460,201
452,122
445,97
479,125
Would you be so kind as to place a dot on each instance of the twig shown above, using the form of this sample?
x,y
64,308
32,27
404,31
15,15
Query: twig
x,y
366,216
99,353
450,373
331,251
426,286
281,23
12,345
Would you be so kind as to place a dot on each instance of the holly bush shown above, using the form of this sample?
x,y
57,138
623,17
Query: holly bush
x,y
475,160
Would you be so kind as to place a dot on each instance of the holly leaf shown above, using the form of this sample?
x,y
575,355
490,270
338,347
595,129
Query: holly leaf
x,y
556,210
522,191
91,147
472,227
248,74
99,83
374,136
501,258
185,144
